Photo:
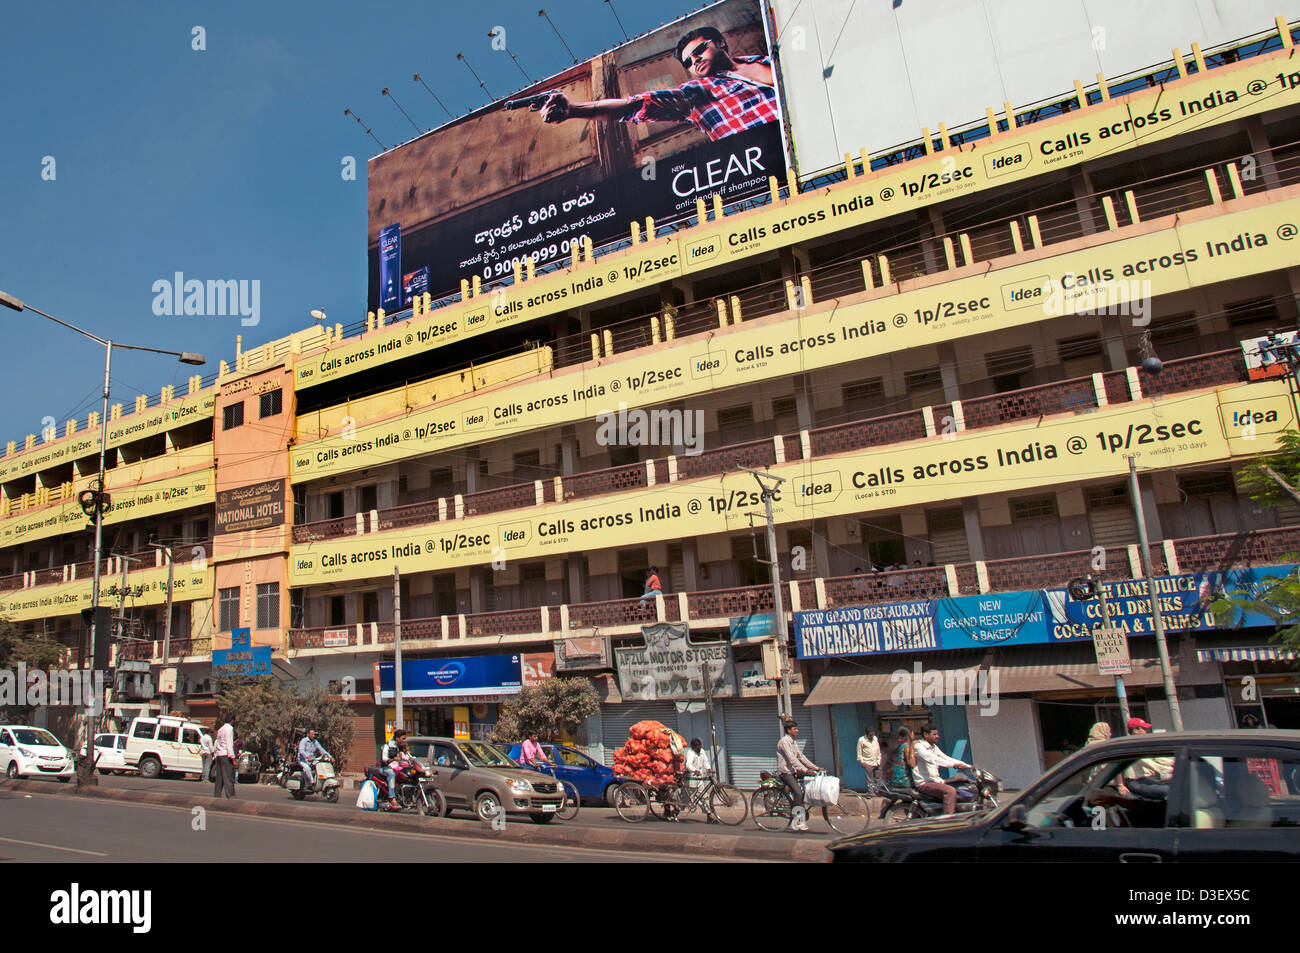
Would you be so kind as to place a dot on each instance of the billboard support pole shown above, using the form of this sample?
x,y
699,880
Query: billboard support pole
x,y
397,645
1157,623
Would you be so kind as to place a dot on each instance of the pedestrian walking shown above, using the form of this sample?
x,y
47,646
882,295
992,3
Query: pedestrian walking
x,y
224,761
205,749
869,754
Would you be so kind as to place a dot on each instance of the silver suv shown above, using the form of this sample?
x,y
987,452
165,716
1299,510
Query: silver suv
x,y
480,777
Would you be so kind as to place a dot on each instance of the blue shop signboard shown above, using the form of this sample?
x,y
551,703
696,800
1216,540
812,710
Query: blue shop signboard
x,y
242,658
488,676
1025,618
753,628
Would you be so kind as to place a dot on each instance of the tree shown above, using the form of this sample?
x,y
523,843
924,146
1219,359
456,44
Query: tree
x,y
34,652
557,705
1271,479
270,714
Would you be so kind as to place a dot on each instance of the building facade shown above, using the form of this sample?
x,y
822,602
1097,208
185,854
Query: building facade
x,y
947,357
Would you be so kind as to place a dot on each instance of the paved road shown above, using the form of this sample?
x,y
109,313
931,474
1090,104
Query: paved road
x,y
598,816
36,828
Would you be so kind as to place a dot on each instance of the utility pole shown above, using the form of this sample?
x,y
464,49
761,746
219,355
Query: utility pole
x,y
397,645
1171,693
167,625
784,706
713,728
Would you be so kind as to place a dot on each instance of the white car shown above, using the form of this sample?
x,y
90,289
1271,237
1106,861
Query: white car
x,y
165,744
27,752
110,754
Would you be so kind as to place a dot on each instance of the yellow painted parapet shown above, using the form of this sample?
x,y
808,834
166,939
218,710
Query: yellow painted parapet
x,y
1205,248
146,587
1172,431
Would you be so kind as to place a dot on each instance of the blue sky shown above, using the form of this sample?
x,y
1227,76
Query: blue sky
x,y
221,163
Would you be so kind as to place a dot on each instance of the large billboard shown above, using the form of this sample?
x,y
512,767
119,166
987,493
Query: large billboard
x,y
685,112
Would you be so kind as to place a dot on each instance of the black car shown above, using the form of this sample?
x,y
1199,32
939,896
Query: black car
x,y
1233,795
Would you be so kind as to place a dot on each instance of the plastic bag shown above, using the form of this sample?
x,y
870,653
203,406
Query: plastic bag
x,y
821,789
368,799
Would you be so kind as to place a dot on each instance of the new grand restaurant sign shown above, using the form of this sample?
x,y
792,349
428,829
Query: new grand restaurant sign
x,y
1171,431
1128,270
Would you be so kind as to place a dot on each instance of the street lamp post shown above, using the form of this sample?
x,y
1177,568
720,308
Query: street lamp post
x,y
84,772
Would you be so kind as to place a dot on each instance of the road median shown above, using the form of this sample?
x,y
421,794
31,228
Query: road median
x,y
521,831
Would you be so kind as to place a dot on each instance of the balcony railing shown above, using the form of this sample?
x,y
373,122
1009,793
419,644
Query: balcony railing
x,y
135,562
1202,371
1049,571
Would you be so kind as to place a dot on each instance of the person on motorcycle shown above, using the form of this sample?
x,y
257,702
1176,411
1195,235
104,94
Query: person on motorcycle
x,y
401,761
929,759
790,764
387,757
309,749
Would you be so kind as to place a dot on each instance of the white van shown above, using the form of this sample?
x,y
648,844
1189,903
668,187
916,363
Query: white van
x,y
164,745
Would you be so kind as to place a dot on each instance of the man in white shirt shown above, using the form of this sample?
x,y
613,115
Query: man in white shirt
x,y
223,755
869,754
929,759
205,749
697,768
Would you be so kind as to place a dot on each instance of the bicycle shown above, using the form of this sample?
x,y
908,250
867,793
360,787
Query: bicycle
x,y
568,809
634,801
773,809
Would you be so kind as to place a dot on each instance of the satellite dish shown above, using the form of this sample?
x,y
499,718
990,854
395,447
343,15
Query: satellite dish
x,y
318,314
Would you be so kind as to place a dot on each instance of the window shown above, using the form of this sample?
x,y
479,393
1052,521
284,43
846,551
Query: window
x,y
338,614
946,521
573,759
527,466
168,733
863,397
621,456
297,610
369,607
1076,801
1038,507
270,404
228,609
735,424
1236,791
334,506
268,605
1249,313
785,414
1074,349
232,416
923,380
883,539
1207,484
369,498
1010,369
144,729
300,503
190,736
1102,497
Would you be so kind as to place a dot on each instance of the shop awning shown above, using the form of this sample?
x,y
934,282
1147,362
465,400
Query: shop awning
x,y
1056,669
1248,653
873,678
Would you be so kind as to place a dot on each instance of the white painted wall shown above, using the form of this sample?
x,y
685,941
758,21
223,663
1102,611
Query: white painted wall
x,y
1009,743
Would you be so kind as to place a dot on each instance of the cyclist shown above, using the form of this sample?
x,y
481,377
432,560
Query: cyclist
x,y
532,752
697,768
790,764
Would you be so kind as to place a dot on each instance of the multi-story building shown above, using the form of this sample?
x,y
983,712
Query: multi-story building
x,y
945,352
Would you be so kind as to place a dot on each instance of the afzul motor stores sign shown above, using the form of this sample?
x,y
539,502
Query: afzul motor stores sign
x,y
630,134
257,506
1180,430
1102,130
1192,254
1032,617
672,666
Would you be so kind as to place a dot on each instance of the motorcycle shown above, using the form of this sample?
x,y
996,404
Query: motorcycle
x,y
295,781
415,791
248,768
976,793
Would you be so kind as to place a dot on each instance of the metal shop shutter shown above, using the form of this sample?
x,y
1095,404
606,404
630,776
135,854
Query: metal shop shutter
x,y
752,734
617,719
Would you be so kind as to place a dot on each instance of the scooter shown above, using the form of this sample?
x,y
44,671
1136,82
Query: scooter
x,y
415,791
976,793
327,785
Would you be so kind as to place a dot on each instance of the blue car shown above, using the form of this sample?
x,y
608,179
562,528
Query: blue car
x,y
594,781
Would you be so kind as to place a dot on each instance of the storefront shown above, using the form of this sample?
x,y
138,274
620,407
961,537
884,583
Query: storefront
x,y
448,697
1261,682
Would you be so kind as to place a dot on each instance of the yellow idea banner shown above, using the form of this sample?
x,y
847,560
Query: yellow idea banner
x,y
129,503
143,588
151,422
1121,275
1198,102
1168,432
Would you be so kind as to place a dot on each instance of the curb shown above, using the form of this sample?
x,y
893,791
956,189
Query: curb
x,y
697,844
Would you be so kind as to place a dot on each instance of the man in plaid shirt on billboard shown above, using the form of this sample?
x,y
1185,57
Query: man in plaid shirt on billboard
x,y
726,95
